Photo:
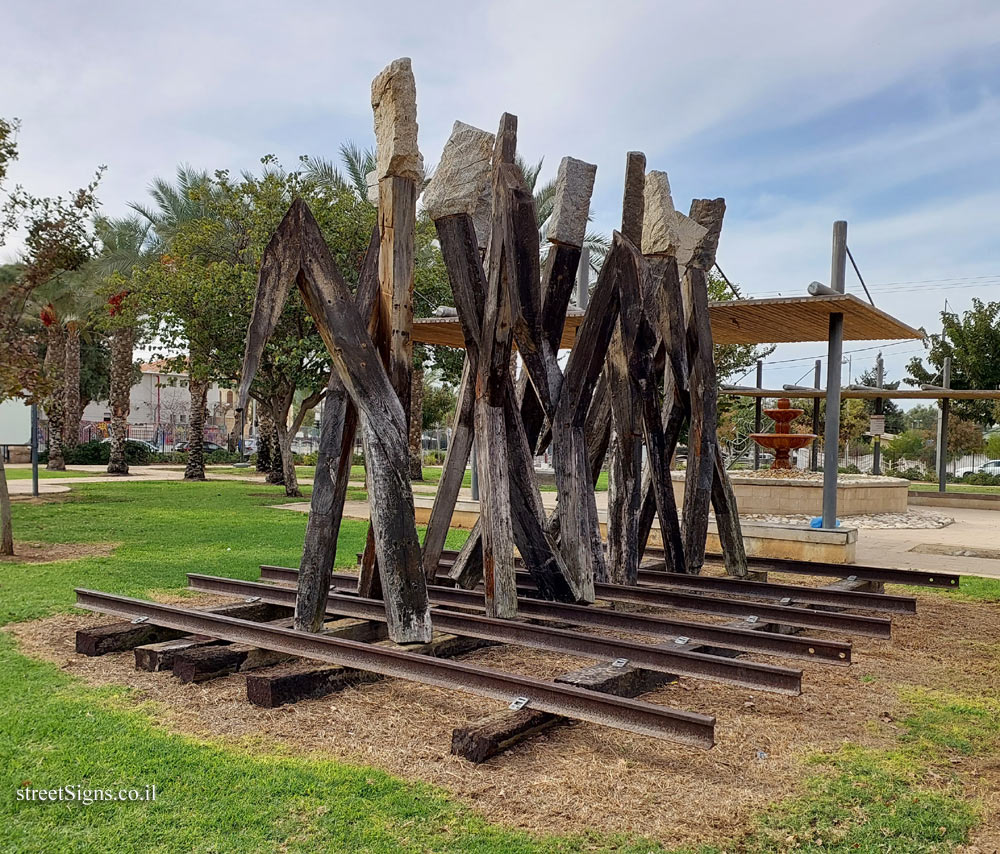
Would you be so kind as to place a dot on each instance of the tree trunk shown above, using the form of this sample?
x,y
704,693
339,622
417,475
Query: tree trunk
x,y
264,451
416,424
276,469
120,397
55,371
195,469
6,525
288,476
71,425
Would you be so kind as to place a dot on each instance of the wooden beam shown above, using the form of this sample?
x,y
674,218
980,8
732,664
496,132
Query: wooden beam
x,y
298,249
625,471
333,469
703,415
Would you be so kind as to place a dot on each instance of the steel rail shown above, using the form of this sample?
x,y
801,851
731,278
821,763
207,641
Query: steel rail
x,y
745,640
665,597
852,624
883,574
636,716
743,674
791,592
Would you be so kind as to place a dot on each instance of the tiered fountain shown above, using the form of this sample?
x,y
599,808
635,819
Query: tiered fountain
x,y
783,440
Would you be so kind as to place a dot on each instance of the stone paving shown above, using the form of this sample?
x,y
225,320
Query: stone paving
x,y
912,519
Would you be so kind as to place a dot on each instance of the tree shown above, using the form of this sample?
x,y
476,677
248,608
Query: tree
x,y
923,416
993,446
79,320
57,239
908,445
202,288
853,420
440,400
972,341
964,437
895,421
125,248
733,359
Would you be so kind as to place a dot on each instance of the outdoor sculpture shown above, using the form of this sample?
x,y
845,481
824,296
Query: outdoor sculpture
x,y
641,367
782,441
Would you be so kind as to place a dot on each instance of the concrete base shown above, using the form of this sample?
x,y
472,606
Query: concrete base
x,y
856,495
970,500
760,539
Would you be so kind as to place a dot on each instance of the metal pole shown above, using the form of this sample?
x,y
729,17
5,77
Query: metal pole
x,y
942,436
835,354
34,450
583,280
814,448
879,410
475,474
758,408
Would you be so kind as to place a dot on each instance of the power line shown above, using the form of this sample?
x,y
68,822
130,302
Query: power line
x,y
846,352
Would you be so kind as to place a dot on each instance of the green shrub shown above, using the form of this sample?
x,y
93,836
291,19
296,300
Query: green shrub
x,y
982,479
434,458
849,469
219,457
98,453
171,457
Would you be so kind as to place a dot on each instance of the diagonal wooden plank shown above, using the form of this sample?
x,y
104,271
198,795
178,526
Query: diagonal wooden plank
x,y
298,249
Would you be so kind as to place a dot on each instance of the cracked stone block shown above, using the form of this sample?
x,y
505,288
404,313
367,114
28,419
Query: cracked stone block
x,y
394,103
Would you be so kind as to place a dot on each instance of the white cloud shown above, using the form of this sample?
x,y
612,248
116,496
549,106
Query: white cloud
x,y
145,87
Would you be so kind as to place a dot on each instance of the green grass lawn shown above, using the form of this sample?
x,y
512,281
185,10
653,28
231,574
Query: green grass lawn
x,y
25,474
917,486
432,474
216,796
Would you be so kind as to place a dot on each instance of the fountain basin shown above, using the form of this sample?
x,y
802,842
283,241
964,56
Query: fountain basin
x,y
797,492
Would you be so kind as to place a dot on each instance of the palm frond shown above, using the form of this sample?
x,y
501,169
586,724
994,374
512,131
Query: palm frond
x,y
323,172
528,172
358,162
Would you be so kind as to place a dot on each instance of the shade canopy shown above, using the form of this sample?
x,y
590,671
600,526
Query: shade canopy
x,y
748,321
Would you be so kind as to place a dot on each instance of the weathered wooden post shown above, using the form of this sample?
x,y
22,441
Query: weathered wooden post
x,y
665,309
297,254
399,166
460,179
492,380
708,214
625,472
333,471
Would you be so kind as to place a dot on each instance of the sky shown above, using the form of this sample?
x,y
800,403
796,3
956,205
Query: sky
x,y
799,113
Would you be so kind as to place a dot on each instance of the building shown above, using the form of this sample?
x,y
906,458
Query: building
x,y
160,408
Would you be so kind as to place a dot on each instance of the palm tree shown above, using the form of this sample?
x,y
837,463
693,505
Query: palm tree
x,y
79,312
49,304
358,163
125,247
173,205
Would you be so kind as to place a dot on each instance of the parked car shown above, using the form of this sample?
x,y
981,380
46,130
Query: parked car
x,y
208,447
989,467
